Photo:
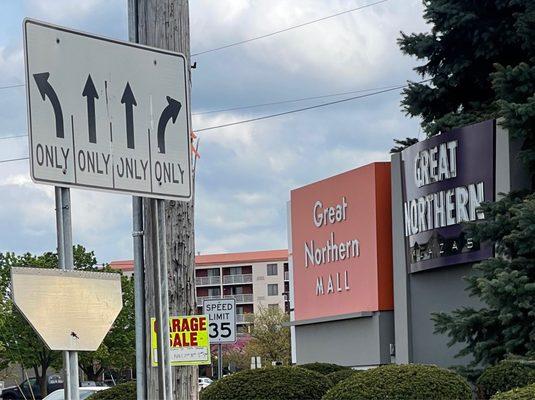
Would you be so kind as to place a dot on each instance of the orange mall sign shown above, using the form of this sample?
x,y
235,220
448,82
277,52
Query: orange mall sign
x,y
188,338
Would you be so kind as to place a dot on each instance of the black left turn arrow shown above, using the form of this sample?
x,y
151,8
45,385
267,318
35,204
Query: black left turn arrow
x,y
90,92
170,112
47,90
129,102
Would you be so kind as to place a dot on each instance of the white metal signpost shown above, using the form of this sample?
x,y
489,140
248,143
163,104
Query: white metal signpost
x,y
109,115
106,115
221,325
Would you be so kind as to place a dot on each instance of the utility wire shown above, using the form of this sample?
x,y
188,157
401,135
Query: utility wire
x,y
13,159
291,100
287,29
12,137
277,114
261,36
12,86
300,109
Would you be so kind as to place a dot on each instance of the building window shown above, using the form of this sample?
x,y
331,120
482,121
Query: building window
x,y
236,290
273,289
272,269
235,270
213,272
213,292
273,306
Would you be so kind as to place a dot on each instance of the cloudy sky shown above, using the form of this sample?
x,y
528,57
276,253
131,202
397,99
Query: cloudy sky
x,y
246,171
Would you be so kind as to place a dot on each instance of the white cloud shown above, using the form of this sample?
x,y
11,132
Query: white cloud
x,y
246,171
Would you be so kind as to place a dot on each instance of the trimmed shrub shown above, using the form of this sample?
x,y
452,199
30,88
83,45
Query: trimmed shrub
x,y
505,376
402,382
524,393
280,383
124,391
339,376
323,368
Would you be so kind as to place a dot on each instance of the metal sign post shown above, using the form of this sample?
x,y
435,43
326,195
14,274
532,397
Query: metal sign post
x,y
94,123
139,297
222,324
66,262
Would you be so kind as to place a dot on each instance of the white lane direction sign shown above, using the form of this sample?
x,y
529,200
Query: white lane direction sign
x,y
105,114
221,320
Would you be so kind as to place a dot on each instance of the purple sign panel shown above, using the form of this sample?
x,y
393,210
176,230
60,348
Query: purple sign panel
x,y
445,179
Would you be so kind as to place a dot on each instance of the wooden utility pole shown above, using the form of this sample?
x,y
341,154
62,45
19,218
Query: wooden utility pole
x,y
165,24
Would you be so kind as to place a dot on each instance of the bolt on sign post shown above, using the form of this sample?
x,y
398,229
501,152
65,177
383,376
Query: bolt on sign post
x,y
188,339
222,325
108,115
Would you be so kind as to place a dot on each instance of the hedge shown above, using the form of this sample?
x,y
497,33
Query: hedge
x,y
524,393
402,382
339,376
323,368
505,376
124,391
280,383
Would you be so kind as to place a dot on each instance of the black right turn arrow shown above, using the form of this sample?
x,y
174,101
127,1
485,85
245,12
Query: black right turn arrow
x,y
170,112
91,93
47,90
129,102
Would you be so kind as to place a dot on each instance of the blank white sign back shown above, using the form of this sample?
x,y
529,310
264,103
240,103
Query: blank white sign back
x,y
105,114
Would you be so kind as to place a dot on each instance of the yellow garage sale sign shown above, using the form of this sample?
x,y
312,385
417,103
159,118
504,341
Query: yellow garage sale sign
x,y
188,337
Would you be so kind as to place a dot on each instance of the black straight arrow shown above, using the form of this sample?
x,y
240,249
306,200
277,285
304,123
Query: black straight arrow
x,y
47,90
129,102
91,94
169,112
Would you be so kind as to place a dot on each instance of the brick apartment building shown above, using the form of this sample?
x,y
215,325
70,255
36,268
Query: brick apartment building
x,y
254,279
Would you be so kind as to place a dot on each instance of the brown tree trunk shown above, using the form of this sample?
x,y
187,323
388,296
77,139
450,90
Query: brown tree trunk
x,y
165,24
41,378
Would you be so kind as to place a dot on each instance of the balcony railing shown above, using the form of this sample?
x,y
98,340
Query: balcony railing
x,y
243,278
286,275
207,280
201,298
240,298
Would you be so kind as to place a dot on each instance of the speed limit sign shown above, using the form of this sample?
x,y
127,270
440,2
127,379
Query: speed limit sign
x,y
221,320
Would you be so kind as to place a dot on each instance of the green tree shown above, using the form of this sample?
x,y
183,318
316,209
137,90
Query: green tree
x,y
270,336
22,345
402,144
506,285
118,349
480,62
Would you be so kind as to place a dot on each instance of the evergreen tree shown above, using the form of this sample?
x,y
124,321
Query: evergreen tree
x,y
480,61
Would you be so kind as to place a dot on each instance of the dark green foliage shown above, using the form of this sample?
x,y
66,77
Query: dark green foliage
x,y
467,39
515,91
338,376
506,284
323,368
505,376
402,382
402,144
124,391
280,383
479,63
468,373
525,393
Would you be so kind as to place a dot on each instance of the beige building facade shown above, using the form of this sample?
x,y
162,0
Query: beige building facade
x,y
257,279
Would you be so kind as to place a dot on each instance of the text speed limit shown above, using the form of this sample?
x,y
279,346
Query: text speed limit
x,y
221,320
